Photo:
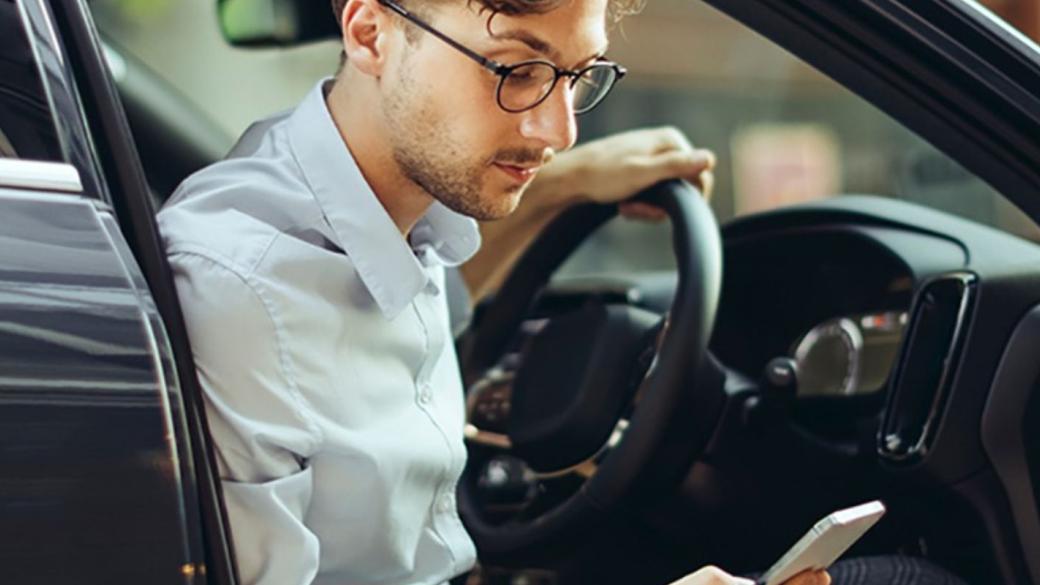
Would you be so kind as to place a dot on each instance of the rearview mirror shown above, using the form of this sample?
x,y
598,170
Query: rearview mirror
x,y
276,23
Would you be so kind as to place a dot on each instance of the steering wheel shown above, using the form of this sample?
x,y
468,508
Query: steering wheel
x,y
611,395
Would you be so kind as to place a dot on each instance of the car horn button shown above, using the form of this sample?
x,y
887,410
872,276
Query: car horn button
x,y
575,381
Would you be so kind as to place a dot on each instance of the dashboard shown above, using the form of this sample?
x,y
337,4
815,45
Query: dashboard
x,y
898,319
835,299
916,376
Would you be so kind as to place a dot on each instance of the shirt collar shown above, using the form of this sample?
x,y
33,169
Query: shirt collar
x,y
386,263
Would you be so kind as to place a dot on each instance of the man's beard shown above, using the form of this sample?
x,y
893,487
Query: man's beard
x,y
423,150
430,160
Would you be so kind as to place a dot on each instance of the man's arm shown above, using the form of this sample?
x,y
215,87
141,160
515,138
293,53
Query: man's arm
x,y
261,432
607,170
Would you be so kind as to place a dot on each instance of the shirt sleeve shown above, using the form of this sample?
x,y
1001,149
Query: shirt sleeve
x,y
262,432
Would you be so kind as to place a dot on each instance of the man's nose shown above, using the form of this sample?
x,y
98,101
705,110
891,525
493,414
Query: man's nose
x,y
553,121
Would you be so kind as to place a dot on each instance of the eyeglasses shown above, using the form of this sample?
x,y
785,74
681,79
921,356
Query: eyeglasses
x,y
522,86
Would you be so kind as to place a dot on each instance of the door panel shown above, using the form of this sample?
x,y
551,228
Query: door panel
x,y
91,477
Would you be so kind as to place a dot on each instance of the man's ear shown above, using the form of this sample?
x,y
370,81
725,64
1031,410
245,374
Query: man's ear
x,y
366,35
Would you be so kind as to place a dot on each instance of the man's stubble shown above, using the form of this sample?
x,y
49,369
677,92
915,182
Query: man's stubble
x,y
425,152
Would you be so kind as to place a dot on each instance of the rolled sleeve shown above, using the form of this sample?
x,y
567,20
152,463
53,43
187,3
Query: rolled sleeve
x,y
262,432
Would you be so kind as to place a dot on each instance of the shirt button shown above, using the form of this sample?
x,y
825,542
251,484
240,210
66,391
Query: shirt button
x,y
447,504
425,394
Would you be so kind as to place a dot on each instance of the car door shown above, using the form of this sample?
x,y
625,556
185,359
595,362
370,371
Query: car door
x,y
98,480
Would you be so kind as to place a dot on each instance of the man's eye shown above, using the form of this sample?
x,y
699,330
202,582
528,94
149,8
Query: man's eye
x,y
530,75
521,78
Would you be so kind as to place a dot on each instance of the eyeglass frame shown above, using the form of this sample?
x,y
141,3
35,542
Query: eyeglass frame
x,y
503,71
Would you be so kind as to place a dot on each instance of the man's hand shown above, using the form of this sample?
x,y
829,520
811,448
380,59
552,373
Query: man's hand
x,y
614,168
716,576
608,170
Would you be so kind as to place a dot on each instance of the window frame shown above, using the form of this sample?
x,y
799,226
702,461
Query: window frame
x,y
63,101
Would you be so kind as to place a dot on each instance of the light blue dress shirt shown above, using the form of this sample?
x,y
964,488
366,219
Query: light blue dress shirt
x,y
322,343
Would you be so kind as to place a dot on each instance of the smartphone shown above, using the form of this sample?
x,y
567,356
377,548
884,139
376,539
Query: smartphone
x,y
827,541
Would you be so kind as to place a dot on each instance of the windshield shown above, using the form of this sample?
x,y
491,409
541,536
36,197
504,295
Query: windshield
x,y
783,132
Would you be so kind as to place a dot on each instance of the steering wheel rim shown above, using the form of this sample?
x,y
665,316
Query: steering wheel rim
x,y
682,363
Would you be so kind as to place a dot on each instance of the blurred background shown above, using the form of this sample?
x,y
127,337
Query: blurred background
x,y
783,132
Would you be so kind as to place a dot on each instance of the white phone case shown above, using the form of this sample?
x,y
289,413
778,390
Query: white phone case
x,y
827,541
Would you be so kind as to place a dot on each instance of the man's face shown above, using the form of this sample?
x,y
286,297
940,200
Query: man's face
x,y
448,133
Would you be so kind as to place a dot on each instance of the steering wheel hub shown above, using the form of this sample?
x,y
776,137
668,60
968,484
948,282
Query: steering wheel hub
x,y
568,396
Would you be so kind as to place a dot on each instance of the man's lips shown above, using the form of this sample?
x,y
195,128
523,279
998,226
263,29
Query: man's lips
x,y
519,173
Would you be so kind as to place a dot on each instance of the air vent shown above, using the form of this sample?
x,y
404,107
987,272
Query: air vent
x,y
927,363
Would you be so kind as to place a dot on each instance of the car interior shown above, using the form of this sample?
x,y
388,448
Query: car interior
x,y
724,387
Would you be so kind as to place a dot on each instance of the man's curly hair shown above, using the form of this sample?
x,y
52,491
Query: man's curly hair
x,y
616,9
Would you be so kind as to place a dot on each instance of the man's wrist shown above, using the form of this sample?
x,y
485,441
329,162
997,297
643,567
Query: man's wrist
x,y
558,186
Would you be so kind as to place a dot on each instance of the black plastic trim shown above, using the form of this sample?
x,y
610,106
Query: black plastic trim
x,y
892,445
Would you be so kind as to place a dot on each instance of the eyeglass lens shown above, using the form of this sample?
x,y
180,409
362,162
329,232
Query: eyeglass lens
x,y
528,84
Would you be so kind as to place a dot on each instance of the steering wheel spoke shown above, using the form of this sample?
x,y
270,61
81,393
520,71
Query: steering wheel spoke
x,y
587,468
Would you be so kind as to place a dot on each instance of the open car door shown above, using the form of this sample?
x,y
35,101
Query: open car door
x,y
106,475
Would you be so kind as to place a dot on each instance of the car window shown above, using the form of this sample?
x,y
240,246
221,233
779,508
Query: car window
x,y
27,129
784,133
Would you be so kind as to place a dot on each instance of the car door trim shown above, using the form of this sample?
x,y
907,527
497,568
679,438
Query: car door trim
x,y
39,176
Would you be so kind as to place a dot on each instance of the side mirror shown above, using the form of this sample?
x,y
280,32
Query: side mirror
x,y
276,23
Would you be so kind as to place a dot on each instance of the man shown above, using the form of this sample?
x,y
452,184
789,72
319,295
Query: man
x,y
310,266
